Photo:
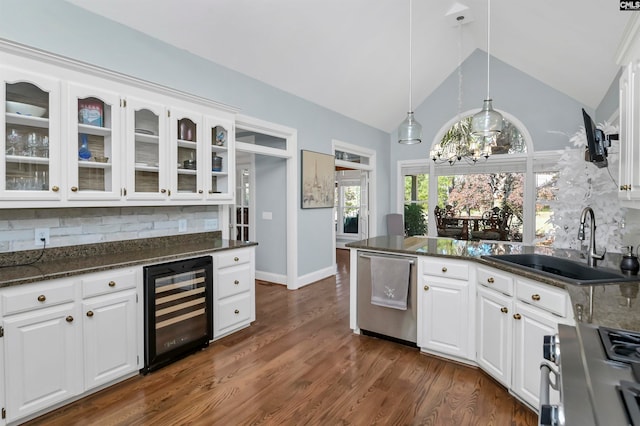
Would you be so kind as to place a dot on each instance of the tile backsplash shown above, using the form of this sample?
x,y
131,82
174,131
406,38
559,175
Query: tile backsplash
x,y
72,226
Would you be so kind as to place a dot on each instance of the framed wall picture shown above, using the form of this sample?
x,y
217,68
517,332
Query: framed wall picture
x,y
318,180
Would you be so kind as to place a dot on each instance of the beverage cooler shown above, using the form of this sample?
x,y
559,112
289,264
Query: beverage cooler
x,y
178,310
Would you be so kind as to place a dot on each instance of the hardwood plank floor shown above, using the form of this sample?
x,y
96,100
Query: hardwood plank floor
x,y
300,364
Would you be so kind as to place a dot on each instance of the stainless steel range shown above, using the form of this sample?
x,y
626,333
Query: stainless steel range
x,y
599,376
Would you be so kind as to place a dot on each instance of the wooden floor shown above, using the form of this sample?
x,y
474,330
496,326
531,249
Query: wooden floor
x,y
300,364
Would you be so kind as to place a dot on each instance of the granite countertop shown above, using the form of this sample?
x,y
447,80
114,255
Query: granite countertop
x,y
60,262
614,305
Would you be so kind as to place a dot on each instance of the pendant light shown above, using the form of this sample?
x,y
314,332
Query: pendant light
x,y
410,131
488,122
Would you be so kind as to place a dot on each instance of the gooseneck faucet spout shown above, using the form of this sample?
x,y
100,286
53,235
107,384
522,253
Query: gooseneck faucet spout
x,y
592,257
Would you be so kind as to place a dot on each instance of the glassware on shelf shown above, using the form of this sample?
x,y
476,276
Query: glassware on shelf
x,y
83,152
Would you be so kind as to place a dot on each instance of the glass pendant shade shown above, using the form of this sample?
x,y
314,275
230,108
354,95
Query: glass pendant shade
x,y
487,122
410,131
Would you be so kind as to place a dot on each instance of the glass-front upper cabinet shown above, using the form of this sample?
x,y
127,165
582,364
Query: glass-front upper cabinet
x,y
30,143
218,159
185,133
96,161
147,162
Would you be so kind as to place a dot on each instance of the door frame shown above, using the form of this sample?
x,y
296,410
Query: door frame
x,y
370,167
290,135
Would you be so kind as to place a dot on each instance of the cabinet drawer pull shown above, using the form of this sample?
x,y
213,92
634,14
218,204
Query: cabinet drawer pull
x,y
517,316
236,282
69,318
236,312
42,298
74,189
235,259
504,310
89,314
200,191
211,191
490,280
163,191
55,188
444,269
535,297
426,288
112,283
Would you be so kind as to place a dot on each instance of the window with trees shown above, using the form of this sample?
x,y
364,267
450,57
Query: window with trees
x,y
470,190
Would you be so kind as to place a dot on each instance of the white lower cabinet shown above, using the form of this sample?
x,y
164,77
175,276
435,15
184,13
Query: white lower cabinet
x,y
234,296
110,344
494,334
514,314
43,359
63,338
530,327
444,311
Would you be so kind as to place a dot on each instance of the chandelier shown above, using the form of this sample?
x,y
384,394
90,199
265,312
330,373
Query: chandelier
x,y
458,143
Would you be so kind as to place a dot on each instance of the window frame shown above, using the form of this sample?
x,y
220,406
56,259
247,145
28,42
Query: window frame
x,y
528,163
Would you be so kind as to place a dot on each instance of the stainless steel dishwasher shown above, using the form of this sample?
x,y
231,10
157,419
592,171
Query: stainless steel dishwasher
x,y
384,322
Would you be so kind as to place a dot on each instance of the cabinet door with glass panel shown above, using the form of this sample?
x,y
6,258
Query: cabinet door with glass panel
x,y
93,152
30,145
218,159
146,140
185,136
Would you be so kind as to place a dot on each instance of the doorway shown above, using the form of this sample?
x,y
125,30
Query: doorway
x,y
266,188
354,211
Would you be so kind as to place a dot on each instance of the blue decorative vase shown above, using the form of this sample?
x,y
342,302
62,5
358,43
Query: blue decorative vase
x,y
83,152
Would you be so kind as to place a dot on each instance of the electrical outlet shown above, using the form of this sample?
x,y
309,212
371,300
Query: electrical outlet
x,y
210,224
40,234
182,225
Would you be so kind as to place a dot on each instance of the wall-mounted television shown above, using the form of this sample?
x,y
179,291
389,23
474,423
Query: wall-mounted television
x,y
596,151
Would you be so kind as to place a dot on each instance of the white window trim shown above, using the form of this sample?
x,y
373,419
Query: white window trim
x,y
528,163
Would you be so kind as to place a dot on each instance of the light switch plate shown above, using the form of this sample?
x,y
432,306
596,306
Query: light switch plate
x,y
210,224
182,225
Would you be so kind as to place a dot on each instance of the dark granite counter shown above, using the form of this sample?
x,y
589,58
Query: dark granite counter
x,y
614,305
60,262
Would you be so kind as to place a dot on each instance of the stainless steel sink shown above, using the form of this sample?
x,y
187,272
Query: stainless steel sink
x,y
562,269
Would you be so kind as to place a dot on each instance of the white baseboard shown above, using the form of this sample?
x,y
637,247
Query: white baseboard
x,y
271,277
315,276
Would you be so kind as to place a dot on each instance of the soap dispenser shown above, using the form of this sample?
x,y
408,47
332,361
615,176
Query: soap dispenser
x,y
629,263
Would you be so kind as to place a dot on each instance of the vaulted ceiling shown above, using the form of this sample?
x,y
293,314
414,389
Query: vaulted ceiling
x,y
352,56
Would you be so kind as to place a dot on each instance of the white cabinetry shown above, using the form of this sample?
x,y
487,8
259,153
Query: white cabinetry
x,y
514,314
233,291
42,347
494,334
444,311
110,318
628,57
95,134
56,333
95,139
30,142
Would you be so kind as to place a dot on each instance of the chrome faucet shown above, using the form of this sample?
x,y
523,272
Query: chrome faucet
x,y
592,257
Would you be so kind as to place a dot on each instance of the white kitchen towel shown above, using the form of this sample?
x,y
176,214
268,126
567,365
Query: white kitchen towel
x,y
390,282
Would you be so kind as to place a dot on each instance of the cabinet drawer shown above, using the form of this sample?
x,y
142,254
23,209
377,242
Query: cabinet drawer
x,y
233,281
36,296
108,282
234,311
233,257
495,280
446,268
547,297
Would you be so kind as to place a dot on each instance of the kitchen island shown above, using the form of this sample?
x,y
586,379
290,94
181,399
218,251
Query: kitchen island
x,y
614,304
484,313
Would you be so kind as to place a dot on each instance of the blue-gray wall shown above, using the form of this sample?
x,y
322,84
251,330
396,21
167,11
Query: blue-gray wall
x,y
64,29
540,108
610,104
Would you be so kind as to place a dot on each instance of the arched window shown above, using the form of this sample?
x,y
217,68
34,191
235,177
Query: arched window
x,y
482,198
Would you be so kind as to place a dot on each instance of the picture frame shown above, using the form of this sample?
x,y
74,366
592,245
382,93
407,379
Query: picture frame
x,y
318,180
